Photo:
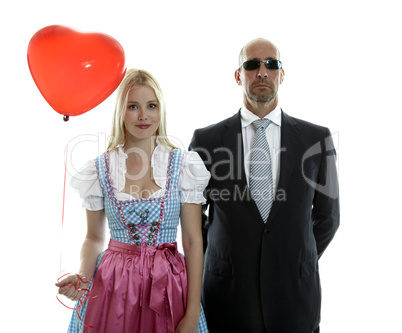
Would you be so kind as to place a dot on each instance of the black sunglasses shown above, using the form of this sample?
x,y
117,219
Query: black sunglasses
x,y
250,65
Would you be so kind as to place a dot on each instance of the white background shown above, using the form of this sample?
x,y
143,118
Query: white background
x,y
343,67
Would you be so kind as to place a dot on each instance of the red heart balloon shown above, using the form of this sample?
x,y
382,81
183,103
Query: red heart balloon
x,y
75,71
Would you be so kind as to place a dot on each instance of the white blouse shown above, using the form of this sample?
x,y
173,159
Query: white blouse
x,y
194,177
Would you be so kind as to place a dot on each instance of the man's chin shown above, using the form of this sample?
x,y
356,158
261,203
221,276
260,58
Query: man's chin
x,y
262,99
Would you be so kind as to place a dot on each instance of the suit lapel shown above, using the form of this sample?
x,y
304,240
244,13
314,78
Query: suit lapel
x,y
232,139
289,147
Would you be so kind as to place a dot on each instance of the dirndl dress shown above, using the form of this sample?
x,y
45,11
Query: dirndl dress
x,y
140,281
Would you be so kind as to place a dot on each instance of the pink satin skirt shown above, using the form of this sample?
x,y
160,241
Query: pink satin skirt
x,y
143,289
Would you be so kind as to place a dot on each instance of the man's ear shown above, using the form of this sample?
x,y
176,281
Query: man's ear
x,y
237,77
282,75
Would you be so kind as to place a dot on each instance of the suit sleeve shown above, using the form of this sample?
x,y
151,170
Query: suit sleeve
x,y
195,146
326,200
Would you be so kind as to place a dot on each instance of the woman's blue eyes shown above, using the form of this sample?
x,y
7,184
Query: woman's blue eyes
x,y
150,106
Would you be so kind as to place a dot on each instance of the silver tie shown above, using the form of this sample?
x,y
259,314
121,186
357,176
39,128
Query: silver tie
x,y
261,185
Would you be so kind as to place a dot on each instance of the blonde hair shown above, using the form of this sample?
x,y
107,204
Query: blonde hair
x,y
133,78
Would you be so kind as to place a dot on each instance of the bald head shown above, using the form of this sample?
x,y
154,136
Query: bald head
x,y
256,43
260,83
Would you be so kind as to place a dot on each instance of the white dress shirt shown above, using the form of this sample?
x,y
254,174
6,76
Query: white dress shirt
x,y
273,134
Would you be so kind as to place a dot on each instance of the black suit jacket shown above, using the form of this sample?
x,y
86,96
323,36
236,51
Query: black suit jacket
x,y
263,277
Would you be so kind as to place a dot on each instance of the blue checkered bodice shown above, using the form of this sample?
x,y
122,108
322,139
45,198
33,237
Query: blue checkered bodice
x,y
150,220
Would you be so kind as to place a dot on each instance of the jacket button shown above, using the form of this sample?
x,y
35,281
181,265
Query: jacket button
x,y
267,232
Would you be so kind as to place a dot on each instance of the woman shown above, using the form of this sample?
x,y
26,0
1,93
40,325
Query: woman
x,y
143,185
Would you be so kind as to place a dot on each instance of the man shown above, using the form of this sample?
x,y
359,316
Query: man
x,y
269,221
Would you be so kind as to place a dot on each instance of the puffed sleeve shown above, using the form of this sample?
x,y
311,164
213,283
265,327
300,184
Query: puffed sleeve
x,y
86,182
194,179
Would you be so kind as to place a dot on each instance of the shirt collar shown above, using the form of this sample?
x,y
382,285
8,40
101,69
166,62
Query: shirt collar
x,y
247,117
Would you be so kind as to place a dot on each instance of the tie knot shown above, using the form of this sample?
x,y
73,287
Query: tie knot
x,y
261,123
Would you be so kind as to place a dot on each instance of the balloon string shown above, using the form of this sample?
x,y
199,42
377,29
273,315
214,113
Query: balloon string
x,y
64,199
87,293
83,298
